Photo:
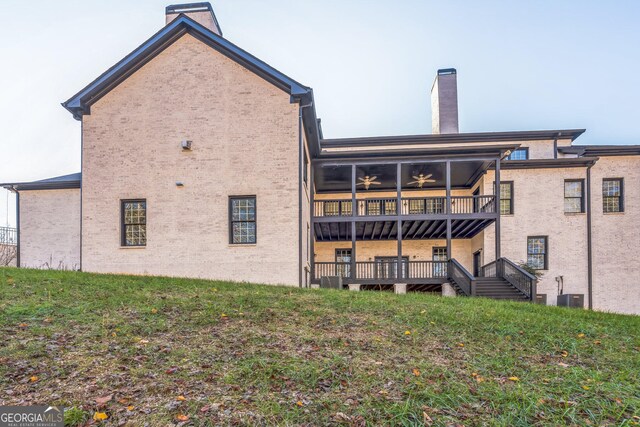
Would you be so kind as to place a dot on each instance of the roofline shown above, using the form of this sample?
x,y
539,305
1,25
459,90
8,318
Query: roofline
x,y
571,162
22,186
490,150
601,150
455,137
79,104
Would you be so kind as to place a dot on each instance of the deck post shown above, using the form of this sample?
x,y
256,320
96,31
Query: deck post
x,y
354,212
497,205
448,204
399,221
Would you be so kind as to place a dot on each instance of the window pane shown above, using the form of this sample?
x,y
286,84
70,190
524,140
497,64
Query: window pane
x,y
505,207
536,245
243,209
573,205
611,204
611,187
536,261
135,213
573,189
244,232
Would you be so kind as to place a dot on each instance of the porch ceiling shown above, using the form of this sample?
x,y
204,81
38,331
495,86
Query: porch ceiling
x,y
411,230
337,178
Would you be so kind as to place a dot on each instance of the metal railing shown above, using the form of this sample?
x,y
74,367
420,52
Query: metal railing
x,y
8,236
382,270
409,206
462,278
506,269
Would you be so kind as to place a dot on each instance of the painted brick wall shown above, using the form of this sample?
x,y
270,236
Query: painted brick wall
x,y
50,229
616,265
539,211
245,142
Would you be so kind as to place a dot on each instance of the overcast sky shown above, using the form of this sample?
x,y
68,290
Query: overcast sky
x,y
521,65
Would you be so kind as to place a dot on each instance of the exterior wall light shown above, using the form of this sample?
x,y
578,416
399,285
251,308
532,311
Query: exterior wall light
x,y
179,184
186,145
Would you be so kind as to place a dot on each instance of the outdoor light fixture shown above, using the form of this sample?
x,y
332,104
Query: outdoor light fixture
x,y
186,145
179,184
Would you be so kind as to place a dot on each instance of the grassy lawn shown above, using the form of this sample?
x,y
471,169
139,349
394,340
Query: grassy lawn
x,y
162,351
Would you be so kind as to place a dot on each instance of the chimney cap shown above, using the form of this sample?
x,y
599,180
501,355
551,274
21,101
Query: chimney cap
x,y
189,7
445,71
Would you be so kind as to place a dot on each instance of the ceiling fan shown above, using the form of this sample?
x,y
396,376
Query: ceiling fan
x,y
367,181
422,179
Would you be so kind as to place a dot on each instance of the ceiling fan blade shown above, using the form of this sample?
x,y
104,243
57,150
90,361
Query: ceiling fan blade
x,y
428,176
373,178
413,182
362,179
415,177
375,182
361,183
429,180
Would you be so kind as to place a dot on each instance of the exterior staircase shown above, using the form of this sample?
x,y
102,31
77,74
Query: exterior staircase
x,y
497,288
501,279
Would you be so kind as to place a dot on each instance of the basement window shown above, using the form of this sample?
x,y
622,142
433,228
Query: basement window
x,y
537,252
134,222
573,195
242,220
612,195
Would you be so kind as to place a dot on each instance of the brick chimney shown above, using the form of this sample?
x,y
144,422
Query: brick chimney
x,y
444,102
202,13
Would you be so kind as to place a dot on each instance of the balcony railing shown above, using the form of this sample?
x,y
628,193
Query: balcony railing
x,y
383,271
8,236
409,206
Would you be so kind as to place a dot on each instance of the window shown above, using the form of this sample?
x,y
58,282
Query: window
x,y
612,195
305,169
573,195
134,222
439,255
519,154
537,252
506,197
242,218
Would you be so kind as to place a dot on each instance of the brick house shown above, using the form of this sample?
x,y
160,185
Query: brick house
x,y
200,160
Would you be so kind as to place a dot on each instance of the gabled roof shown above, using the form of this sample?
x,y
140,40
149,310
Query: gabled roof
x,y
80,103
56,183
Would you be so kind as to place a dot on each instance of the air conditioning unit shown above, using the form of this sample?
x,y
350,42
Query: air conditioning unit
x,y
331,282
571,300
541,299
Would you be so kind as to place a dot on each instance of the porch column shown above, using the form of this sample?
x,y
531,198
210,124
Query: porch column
x,y
312,227
354,211
497,204
399,221
448,204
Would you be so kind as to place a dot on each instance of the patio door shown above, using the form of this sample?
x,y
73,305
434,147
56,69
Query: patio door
x,y
343,262
440,258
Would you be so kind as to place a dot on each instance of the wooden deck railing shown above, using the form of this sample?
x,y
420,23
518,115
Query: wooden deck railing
x,y
8,236
409,206
382,270
461,277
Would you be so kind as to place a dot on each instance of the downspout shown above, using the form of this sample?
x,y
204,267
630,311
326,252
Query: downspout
x,y
589,248
300,190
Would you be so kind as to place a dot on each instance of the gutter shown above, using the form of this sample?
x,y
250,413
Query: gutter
x,y
13,189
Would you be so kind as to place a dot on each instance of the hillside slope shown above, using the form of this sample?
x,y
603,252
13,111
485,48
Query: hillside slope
x,y
162,350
